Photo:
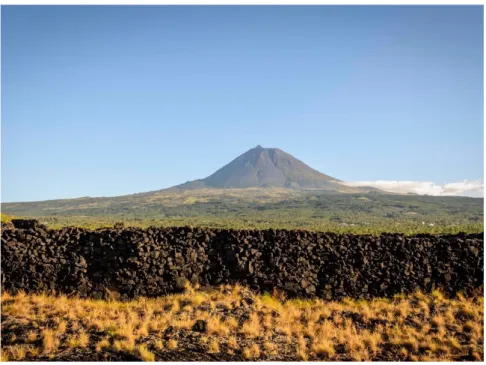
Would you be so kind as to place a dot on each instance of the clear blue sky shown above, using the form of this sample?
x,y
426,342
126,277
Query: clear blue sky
x,y
105,101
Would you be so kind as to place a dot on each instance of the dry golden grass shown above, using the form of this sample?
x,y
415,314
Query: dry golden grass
x,y
103,344
323,347
49,342
232,343
145,354
172,344
251,352
251,327
408,327
213,346
217,327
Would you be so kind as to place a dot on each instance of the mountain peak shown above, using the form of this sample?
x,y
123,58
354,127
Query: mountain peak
x,y
269,167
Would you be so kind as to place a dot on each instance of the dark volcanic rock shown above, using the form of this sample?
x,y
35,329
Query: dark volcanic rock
x,y
131,262
25,223
200,326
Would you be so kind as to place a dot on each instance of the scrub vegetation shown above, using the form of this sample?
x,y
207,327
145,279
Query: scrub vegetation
x,y
365,213
232,323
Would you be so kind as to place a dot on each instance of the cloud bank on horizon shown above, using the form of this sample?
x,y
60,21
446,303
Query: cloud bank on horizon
x,y
461,188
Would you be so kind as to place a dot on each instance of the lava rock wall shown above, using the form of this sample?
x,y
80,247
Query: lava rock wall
x,y
131,262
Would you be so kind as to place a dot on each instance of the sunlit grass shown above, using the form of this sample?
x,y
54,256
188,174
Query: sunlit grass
x,y
411,327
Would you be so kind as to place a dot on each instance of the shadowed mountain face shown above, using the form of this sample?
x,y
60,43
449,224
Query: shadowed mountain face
x,y
268,168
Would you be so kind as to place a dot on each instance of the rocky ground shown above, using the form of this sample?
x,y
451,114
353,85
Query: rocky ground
x,y
232,323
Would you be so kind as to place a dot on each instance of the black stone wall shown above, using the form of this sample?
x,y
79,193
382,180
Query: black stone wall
x,y
157,261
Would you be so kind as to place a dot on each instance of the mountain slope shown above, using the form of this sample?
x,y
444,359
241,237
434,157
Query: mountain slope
x,y
264,187
260,175
267,168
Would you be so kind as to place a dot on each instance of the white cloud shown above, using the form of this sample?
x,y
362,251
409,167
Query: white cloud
x,y
461,188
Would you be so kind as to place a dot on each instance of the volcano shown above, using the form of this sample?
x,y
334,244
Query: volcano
x,y
267,168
